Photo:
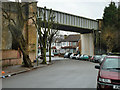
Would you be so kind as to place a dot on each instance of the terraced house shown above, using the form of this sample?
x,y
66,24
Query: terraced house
x,y
71,43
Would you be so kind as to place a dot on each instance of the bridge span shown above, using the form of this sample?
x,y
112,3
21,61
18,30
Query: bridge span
x,y
70,22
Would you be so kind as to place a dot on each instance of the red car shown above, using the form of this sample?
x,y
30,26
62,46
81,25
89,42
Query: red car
x,y
92,58
109,73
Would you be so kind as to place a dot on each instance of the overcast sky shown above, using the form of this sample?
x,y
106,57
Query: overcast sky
x,y
87,8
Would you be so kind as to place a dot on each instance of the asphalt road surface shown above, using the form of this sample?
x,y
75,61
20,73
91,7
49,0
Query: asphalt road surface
x,y
62,74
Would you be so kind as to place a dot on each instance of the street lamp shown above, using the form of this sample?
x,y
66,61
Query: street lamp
x,y
99,41
94,40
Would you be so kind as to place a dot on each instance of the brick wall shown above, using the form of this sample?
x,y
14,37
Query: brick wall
x,y
11,57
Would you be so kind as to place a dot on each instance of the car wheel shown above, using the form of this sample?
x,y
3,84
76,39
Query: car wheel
x,y
97,88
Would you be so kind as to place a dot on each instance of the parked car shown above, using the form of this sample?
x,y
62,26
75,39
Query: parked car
x,y
67,55
84,57
78,56
102,58
91,58
39,55
73,56
108,75
97,58
47,54
55,53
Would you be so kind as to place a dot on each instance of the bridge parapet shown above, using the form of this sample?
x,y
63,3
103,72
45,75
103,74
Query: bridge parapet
x,y
72,20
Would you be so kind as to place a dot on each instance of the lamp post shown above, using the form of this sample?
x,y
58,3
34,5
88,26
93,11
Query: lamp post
x,y
94,40
99,41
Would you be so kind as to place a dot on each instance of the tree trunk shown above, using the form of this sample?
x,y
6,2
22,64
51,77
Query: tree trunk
x,y
44,55
50,52
26,59
22,45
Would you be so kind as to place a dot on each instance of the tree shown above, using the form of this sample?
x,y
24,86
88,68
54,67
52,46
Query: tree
x,y
44,26
118,30
52,34
111,27
109,38
110,15
118,26
16,28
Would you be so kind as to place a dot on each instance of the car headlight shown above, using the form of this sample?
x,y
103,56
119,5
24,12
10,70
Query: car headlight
x,y
105,80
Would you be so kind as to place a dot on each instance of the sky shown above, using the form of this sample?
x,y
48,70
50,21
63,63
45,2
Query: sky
x,y
92,9
87,8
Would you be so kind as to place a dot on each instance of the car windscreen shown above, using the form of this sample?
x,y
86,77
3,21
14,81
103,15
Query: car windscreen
x,y
66,53
111,64
85,55
97,57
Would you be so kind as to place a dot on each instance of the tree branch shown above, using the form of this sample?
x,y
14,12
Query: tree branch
x,y
8,17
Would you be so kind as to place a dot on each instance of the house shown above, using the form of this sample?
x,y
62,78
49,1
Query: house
x,y
64,43
70,44
56,45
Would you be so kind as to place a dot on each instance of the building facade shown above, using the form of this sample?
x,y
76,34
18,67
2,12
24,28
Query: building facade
x,y
70,43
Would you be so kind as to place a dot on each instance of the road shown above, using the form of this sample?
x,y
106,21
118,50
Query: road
x,y
62,74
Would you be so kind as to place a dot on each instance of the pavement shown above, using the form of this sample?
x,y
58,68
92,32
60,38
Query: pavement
x,y
17,69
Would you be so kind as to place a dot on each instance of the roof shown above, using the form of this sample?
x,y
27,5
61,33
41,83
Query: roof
x,y
72,38
58,38
17,0
5,1
53,47
29,0
68,47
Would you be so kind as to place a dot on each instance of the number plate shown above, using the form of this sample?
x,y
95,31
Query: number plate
x,y
116,87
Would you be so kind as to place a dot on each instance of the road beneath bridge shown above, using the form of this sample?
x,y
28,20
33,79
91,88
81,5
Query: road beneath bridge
x,y
62,74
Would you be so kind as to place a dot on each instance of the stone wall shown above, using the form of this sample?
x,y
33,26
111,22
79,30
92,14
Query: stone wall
x,y
32,33
87,45
29,31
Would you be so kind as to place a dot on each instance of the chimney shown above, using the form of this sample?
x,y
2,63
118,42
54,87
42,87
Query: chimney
x,y
65,36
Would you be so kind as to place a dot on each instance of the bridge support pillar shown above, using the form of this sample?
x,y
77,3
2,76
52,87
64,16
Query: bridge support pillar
x,y
87,44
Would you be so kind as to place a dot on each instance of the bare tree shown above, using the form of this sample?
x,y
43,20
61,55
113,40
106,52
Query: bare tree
x,y
52,34
44,26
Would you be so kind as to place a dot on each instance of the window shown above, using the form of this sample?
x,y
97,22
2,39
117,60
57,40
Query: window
x,y
74,43
53,44
58,44
64,43
111,63
70,43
